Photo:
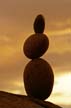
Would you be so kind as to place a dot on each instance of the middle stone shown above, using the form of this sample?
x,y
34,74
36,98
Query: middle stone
x,y
36,45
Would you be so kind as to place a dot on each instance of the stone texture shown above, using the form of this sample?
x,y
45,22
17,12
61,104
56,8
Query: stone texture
x,y
35,45
38,79
39,24
8,100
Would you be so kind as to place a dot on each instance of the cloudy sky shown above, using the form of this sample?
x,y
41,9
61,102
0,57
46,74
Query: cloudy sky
x,y
16,25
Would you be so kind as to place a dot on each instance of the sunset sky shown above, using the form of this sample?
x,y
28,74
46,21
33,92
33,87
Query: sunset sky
x,y
16,25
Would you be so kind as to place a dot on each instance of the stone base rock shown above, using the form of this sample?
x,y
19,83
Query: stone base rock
x,y
9,100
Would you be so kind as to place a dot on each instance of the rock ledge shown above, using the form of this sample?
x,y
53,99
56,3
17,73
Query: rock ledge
x,y
9,100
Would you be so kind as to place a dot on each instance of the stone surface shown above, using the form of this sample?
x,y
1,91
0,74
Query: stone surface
x,y
36,45
8,100
39,24
38,79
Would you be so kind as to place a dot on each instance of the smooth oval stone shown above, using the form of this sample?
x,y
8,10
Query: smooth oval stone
x,y
39,24
36,45
38,79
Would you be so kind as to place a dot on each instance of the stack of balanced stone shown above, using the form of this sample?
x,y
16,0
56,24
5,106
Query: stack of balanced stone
x,y
38,75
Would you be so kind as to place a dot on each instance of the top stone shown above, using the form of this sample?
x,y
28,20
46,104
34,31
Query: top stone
x,y
39,24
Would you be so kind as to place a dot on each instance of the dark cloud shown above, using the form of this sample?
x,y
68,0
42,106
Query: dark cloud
x,y
11,71
13,66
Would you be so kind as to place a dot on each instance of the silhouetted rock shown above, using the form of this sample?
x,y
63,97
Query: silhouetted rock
x,y
38,79
36,45
38,74
39,24
8,100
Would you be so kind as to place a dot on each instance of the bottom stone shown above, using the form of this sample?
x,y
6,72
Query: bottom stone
x,y
38,79
8,100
